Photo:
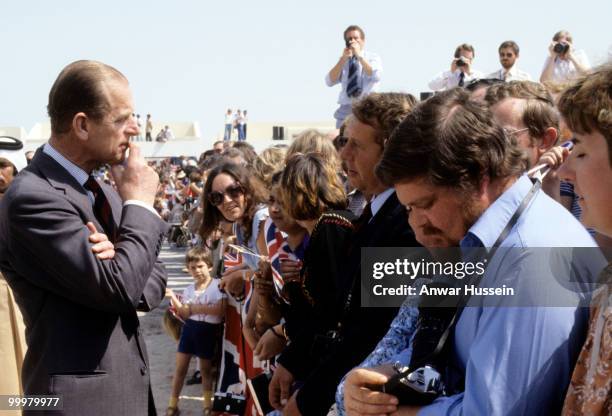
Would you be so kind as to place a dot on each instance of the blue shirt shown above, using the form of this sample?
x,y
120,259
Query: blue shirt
x,y
396,341
518,360
368,83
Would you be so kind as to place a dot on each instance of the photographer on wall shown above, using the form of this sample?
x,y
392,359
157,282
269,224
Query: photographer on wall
x,y
564,62
461,71
359,71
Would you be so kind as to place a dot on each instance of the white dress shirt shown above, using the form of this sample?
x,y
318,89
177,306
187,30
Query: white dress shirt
x,y
368,83
564,69
514,74
447,79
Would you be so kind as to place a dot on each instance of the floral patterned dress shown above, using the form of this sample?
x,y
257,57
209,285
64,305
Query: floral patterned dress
x,y
590,390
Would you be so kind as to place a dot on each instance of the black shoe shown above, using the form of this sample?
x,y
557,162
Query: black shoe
x,y
196,378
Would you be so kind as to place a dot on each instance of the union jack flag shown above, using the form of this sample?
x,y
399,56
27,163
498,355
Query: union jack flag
x,y
278,249
232,259
237,360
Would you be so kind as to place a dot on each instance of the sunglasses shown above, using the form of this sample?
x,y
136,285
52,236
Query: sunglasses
x,y
233,191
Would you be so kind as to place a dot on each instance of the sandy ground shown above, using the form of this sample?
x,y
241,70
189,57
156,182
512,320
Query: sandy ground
x,y
162,348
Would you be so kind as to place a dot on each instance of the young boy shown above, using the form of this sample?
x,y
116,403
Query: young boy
x,y
202,306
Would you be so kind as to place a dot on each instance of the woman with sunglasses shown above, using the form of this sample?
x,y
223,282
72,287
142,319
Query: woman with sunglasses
x,y
231,196
312,193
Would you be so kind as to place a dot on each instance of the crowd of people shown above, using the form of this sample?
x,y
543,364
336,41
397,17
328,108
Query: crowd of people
x,y
275,243
359,71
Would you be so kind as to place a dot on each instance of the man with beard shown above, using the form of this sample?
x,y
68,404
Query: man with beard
x,y
462,183
508,55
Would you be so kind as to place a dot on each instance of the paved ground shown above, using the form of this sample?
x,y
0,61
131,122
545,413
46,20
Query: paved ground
x,y
162,348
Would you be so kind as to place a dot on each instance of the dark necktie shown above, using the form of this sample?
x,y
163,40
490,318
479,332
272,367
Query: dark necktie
x,y
461,78
359,226
352,87
102,209
364,218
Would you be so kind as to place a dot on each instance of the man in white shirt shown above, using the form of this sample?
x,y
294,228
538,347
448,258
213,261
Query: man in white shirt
x,y
564,62
357,70
508,54
168,133
139,124
461,72
229,124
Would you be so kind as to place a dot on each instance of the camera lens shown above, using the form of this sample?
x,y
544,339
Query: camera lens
x,y
560,48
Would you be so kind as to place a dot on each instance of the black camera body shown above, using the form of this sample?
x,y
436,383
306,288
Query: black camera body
x,y
461,62
561,48
419,387
229,403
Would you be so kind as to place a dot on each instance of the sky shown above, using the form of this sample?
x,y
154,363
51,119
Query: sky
x,y
190,60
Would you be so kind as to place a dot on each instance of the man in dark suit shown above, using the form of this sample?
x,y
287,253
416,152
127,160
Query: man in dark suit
x,y
382,224
83,334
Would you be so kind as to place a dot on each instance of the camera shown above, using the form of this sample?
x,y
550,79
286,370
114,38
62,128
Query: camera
x,y
561,48
419,387
461,62
348,43
229,403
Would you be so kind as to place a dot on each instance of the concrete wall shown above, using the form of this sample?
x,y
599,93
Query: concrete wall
x,y
14,131
264,130
42,131
188,140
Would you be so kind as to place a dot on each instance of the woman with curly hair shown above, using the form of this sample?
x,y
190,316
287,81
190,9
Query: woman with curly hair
x,y
313,195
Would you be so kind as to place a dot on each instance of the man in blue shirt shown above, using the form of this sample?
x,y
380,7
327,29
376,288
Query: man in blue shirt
x,y
459,177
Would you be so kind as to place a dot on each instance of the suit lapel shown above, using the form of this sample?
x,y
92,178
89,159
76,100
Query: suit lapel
x,y
59,178
369,230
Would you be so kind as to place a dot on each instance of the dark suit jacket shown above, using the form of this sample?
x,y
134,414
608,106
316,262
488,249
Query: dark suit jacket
x,y
83,335
362,327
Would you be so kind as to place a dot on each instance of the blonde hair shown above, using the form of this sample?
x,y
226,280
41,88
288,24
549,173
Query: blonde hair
x,y
313,141
269,161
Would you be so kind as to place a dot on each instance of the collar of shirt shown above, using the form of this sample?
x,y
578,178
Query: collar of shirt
x,y
513,72
76,172
491,223
468,77
378,201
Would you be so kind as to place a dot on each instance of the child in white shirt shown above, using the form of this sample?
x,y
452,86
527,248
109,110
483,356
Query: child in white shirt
x,y
202,307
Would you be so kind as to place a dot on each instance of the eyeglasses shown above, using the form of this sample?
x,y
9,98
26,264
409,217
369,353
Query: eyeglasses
x,y
233,191
341,141
511,132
